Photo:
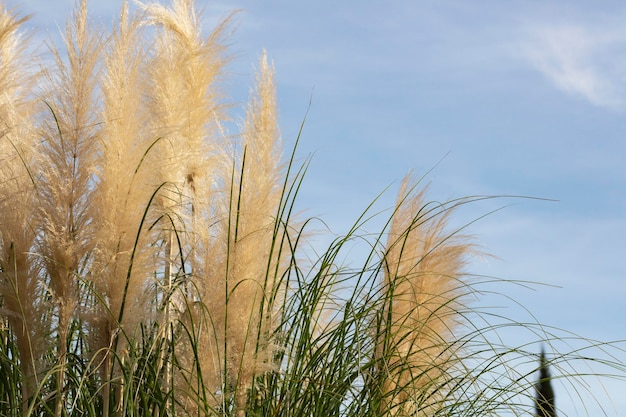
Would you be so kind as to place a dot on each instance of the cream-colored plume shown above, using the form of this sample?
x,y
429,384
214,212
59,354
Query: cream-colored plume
x,y
423,266
19,277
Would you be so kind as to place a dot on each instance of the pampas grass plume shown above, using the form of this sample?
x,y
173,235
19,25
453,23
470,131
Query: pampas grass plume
x,y
423,267
19,281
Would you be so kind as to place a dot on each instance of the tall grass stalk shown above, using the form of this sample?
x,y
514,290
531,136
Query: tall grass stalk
x,y
18,144
152,262
123,191
65,186
423,291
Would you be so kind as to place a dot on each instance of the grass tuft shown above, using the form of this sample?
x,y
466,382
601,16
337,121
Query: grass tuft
x,y
152,263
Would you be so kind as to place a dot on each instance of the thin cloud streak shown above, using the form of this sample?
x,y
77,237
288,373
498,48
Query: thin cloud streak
x,y
582,61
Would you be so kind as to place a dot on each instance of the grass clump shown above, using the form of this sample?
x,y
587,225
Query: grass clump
x,y
151,262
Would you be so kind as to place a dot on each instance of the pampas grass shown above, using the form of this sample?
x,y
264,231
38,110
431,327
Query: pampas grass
x,y
151,262
18,144
65,186
423,290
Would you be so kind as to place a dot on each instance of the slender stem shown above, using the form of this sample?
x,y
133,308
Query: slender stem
x,y
106,389
62,358
168,305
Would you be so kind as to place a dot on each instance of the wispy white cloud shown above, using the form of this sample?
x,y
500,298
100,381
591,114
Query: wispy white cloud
x,y
583,60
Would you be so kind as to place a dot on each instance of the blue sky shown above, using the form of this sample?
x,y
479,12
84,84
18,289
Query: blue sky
x,y
516,98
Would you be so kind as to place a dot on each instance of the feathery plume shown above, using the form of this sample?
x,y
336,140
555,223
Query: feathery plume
x,y
68,157
423,265
186,114
184,97
254,261
122,190
184,103
122,260
19,278
241,261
